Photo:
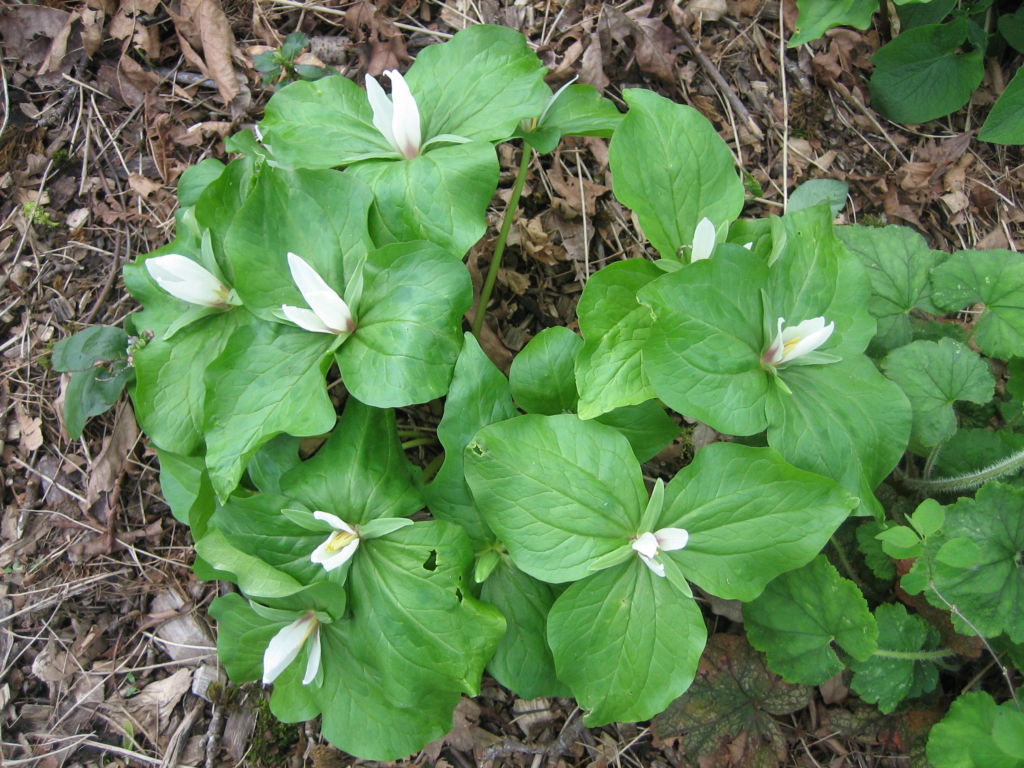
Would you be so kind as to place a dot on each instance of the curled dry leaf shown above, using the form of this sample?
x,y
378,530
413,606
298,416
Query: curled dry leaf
x,y
208,42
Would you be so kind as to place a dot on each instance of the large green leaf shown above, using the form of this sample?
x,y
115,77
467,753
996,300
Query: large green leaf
x,y
615,326
934,376
704,352
995,278
479,396
478,85
318,215
919,14
559,492
818,16
626,641
360,473
892,674
409,326
440,196
185,486
898,262
845,421
646,425
673,169
522,661
218,204
964,737
750,516
1005,123
921,76
801,613
269,380
542,376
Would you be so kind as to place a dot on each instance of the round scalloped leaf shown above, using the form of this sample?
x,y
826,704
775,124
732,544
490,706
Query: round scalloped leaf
x,y
801,613
964,737
934,375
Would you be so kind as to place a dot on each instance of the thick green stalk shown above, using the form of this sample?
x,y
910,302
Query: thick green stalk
x,y
408,444
969,480
499,246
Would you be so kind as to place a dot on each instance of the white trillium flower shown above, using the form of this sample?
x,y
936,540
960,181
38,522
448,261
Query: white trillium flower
x,y
397,118
339,546
703,240
286,644
791,343
648,545
186,280
329,313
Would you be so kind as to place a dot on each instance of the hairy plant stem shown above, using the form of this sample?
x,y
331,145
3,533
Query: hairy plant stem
x,y
969,480
929,466
499,246
914,655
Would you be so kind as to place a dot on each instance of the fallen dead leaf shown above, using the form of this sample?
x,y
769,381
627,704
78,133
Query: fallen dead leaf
x,y
647,38
116,447
31,430
153,705
204,30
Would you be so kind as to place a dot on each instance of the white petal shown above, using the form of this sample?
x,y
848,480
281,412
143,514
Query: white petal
x,y
405,125
801,330
313,664
812,334
703,240
748,246
285,646
305,319
773,354
334,521
339,558
383,110
646,544
186,280
670,539
322,299
654,565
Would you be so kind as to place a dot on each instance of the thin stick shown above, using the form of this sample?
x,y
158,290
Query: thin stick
x,y
499,246
583,215
785,105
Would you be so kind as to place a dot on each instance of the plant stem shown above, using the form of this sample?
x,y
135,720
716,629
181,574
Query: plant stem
x,y
1009,465
915,655
433,467
499,246
418,442
408,433
883,20
929,465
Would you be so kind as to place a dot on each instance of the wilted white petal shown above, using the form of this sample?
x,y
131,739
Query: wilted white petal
x,y
405,123
646,544
322,299
703,240
654,565
285,646
383,110
305,319
670,539
334,521
186,280
313,663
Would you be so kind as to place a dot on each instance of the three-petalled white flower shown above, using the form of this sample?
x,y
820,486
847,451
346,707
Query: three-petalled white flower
x,y
329,313
339,547
189,281
284,647
648,545
792,343
397,118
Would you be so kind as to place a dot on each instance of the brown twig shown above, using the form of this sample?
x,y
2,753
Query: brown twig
x,y
115,266
570,732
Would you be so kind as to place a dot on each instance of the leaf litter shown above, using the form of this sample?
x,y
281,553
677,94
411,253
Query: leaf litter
x,y
106,102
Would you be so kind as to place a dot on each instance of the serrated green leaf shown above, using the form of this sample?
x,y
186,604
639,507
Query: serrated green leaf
x,y
750,516
409,336
615,326
479,396
818,16
626,642
558,491
920,75
934,376
881,564
972,450
1005,123
801,613
673,169
888,680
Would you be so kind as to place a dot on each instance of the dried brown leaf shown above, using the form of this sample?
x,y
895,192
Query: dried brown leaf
x,y
203,26
31,429
647,38
116,448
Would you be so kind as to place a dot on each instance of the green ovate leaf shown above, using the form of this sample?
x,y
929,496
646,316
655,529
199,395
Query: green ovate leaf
x,y
626,641
542,375
727,715
818,191
1005,123
92,392
197,178
272,461
995,278
408,333
920,75
269,380
522,661
801,613
1011,27
559,492
918,14
185,485
818,16
888,680
479,396
750,516
673,169
440,196
934,376
610,370
97,344
646,425
318,215
898,261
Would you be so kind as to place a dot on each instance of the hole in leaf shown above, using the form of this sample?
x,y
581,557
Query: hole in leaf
x,y
430,563
475,448
458,594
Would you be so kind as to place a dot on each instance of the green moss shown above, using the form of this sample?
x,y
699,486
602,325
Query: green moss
x,y
273,742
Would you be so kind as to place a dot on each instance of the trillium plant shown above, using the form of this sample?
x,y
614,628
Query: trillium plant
x,y
317,283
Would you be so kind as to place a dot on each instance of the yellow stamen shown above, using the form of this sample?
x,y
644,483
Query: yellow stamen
x,y
339,540
789,345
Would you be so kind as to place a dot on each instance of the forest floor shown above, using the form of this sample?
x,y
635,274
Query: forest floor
x,y
106,653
